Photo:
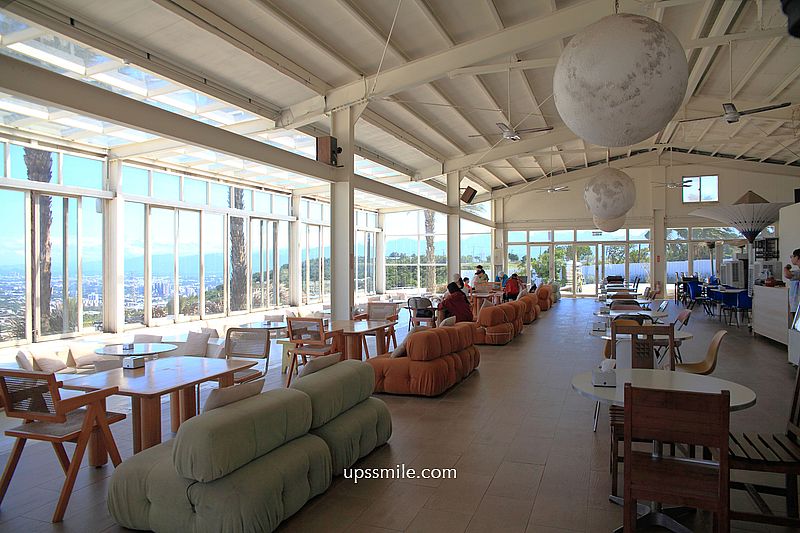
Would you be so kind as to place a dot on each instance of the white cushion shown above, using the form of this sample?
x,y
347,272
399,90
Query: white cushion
x,y
212,332
228,395
451,321
196,343
146,338
49,364
25,360
82,354
487,303
318,363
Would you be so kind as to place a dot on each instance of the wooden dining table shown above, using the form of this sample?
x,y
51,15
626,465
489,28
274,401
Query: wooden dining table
x,y
354,331
146,385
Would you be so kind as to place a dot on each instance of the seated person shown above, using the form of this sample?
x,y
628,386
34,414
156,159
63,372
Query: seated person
x,y
455,304
512,288
501,277
462,286
467,287
480,276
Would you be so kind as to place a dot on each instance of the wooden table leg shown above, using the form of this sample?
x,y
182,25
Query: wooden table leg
x,y
151,421
353,350
136,423
226,380
98,455
380,342
175,411
188,407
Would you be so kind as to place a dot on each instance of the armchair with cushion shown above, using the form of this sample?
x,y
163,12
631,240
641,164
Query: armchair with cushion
x,y
532,309
499,324
543,293
435,359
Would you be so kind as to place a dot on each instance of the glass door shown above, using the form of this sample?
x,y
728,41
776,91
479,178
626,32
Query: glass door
x,y
564,268
586,270
539,263
612,260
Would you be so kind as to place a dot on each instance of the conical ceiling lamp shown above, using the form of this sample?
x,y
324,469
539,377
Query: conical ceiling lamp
x,y
750,214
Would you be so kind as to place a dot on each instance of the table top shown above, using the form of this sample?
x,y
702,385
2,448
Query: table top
x,y
352,327
726,290
159,376
680,335
741,396
640,301
139,348
640,312
267,324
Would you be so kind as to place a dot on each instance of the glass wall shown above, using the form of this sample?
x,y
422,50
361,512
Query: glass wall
x,y
476,248
416,250
13,265
579,259
688,252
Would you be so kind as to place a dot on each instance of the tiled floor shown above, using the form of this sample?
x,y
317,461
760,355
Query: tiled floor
x,y
519,437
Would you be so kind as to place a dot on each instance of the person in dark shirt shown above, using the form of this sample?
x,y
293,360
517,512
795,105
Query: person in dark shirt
x,y
455,304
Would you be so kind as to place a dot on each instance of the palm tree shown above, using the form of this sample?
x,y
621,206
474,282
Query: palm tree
x,y
39,164
238,286
430,249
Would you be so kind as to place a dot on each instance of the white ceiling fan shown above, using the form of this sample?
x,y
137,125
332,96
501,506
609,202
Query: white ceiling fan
x,y
674,184
511,134
729,111
508,132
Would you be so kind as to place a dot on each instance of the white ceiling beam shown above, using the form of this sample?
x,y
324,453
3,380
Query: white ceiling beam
x,y
249,127
478,181
393,193
719,40
776,92
19,36
739,164
521,37
502,151
756,64
780,148
31,82
582,173
747,148
529,64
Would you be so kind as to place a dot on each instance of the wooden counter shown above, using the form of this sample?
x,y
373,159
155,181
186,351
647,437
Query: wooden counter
x,y
771,312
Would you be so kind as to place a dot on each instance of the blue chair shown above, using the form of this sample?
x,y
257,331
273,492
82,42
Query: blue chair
x,y
696,295
743,306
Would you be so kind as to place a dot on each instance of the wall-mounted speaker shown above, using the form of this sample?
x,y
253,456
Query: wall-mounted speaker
x,y
797,196
328,151
468,195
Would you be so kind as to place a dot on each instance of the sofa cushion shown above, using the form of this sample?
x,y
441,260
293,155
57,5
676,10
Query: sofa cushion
x,y
25,360
434,343
424,378
218,442
401,349
227,395
49,364
82,354
492,316
450,321
336,389
356,432
196,343
212,332
318,363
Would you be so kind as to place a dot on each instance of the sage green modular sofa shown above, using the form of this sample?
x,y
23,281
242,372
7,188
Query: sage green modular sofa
x,y
249,465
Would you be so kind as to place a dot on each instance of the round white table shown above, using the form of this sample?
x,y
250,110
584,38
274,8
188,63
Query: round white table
x,y
680,335
614,313
741,397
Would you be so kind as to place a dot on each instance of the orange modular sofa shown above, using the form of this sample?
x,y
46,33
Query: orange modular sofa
x,y
544,293
498,324
437,359
532,309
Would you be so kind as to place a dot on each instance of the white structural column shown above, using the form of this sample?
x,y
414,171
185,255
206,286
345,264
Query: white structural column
x,y
498,237
380,257
342,214
295,268
453,226
659,253
114,252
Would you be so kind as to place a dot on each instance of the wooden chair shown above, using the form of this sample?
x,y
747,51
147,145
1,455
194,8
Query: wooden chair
x,y
621,296
381,311
676,417
247,343
35,398
415,305
643,355
309,338
779,454
707,365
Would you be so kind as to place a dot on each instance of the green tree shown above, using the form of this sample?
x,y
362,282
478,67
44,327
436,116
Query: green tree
x,y
430,249
238,281
40,168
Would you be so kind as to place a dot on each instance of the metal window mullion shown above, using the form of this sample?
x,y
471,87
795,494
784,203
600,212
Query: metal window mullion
x,y
29,274
201,296
65,265
276,263
176,268
226,265
78,262
148,304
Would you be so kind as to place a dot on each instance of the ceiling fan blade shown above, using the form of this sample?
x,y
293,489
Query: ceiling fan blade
x,y
534,130
487,135
698,119
729,109
765,108
503,127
